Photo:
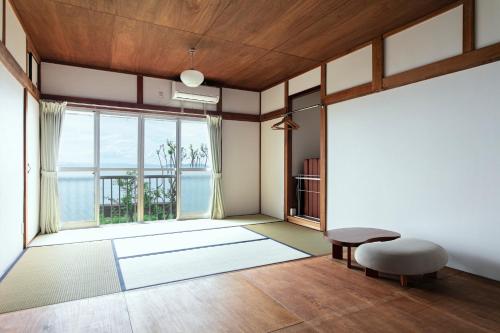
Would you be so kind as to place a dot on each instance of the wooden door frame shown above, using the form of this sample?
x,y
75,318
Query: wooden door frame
x,y
288,177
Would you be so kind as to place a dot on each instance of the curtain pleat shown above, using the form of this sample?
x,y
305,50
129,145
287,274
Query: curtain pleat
x,y
51,120
215,133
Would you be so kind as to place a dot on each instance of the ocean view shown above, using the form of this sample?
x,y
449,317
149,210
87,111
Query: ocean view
x,y
76,192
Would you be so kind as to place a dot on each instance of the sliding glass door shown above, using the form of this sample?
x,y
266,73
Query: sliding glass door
x,y
77,171
160,169
118,168
196,177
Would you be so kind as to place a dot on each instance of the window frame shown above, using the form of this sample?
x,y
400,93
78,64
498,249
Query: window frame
x,y
97,170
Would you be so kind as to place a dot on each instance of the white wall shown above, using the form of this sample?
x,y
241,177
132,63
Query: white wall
x,y
33,158
11,190
487,22
272,170
273,98
15,37
240,167
350,70
90,83
305,81
159,92
423,160
306,140
435,39
240,101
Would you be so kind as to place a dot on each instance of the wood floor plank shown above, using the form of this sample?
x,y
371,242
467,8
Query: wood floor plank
x,y
464,296
313,287
399,315
98,314
223,303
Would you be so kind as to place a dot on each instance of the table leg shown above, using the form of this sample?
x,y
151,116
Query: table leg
x,y
337,251
349,257
371,273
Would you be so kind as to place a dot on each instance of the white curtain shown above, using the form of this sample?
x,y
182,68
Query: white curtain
x,y
215,134
51,120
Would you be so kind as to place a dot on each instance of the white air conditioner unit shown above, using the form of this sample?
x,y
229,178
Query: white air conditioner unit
x,y
201,94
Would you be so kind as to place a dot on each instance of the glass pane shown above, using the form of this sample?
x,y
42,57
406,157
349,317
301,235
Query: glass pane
x,y
77,140
76,196
195,144
159,143
160,195
118,141
195,193
118,197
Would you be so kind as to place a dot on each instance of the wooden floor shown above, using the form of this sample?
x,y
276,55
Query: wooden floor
x,y
310,295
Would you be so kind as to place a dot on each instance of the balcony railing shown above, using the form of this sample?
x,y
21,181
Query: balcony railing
x,y
118,202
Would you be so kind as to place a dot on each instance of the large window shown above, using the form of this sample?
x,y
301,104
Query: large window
x,y
117,168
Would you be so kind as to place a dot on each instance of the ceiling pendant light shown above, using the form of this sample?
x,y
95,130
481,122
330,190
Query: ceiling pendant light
x,y
192,77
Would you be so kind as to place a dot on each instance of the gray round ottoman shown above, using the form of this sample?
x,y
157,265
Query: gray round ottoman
x,y
403,257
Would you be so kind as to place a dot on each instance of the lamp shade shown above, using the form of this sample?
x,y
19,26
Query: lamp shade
x,y
192,78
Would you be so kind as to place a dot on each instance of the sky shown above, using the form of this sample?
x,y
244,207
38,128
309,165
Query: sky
x,y
119,139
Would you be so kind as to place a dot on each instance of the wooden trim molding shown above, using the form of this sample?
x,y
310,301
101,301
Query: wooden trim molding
x,y
469,34
323,162
4,7
13,67
349,93
323,144
272,115
25,170
140,89
377,63
260,153
145,108
454,64
240,116
303,222
287,174
323,83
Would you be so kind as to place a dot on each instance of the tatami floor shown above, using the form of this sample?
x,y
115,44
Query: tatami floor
x,y
310,295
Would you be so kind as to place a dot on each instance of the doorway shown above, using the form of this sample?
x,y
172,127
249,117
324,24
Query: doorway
x,y
303,160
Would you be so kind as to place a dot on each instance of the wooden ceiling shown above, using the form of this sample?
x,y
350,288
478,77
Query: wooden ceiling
x,y
250,44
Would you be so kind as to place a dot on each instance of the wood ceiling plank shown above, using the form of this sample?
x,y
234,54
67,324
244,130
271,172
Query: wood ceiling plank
x,y
107,6
357,22
193,16
268,24
223,60
273,68
151,49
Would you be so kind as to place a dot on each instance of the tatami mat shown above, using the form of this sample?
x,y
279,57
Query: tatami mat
x,y
296,236
55,274
145,229
127,247
175,266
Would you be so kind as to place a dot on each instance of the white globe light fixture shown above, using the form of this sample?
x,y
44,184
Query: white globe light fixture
x,y
192,77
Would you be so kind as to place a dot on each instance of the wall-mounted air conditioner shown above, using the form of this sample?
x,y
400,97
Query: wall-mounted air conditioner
x,y
201,94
